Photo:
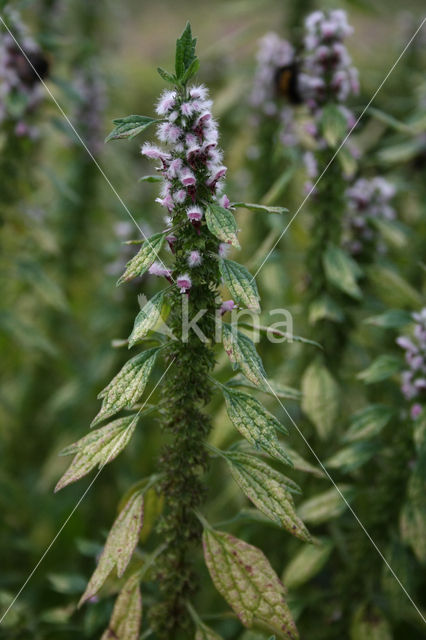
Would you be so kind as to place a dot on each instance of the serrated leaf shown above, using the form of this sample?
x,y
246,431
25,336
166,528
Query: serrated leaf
x,y
185,52
191,71
342,271
259,207
203,632
368,422
151,179
333,125
144,258
369,623
326,506
222,224
127,386
244,577
384,367
119,546
129,127
352,457
320,399
240,283
147,318
242,352
272,388
301,464
126,616
307,563
98,448
392,319
168,77
255,423
269,490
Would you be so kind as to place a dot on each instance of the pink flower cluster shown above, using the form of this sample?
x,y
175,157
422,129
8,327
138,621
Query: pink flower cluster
x,y
191,165
367,200
414,378
327,72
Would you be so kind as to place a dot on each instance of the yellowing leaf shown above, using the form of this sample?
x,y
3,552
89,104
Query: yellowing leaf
x,y
269,491
128,385
98,448
320,399
126,616
241,351
222,224
244,577
240,283
144,258
147,318
306,564
327,505
255,423
119,546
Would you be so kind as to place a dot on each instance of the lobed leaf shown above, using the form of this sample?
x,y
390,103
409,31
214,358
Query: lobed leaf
x,y
240,283
119,546
127,386
243,576
98,448
307,563
242,352
255,423
222,224
129,127
147,318
320,399
126,616
269,490
327,505
146,255
342,271
259,207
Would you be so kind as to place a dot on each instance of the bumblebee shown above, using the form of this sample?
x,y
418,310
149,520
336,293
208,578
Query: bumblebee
x,y
287,82
29,75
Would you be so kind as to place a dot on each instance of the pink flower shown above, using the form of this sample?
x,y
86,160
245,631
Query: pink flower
x,y
227,305
174,168
187,177
151,151
187,108
179,196
194,213
171,241
416,410
194,259
169,132
158,269
184,283
198,92
224,249
216,175
166,102
224,201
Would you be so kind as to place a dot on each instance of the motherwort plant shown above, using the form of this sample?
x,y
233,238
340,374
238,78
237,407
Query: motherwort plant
x,y
200,228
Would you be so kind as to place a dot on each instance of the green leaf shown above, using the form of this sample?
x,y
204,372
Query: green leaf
x,y
342,271
269,491
241,284
185,52
307,563
151,179
384,367
272,388
119,546
333,125
144,258
129,127
242,352
325,308
243,576
147,318
392,288
168,77
392,319
392,231
369,623
126,616
320,399
191,71
255,423
392,122
259,207
222,224
98,448
203,632
128,385
413,517
326,506
368,422
353,456
301,464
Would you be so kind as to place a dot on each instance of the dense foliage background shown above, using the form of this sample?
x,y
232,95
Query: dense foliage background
x,y
61,252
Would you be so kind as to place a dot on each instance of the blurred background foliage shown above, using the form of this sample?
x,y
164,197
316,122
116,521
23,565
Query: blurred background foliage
x,y
62,250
